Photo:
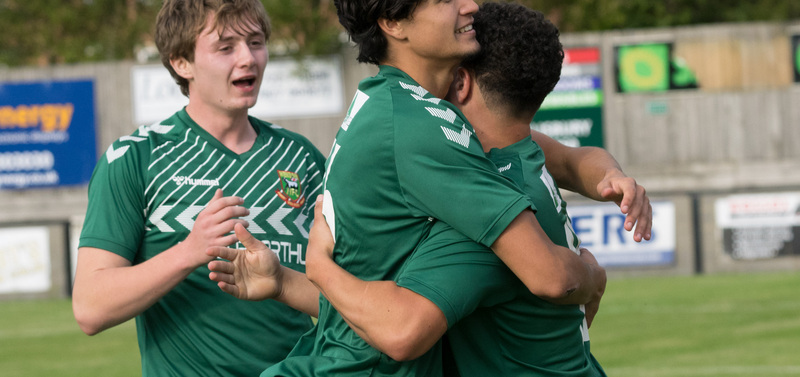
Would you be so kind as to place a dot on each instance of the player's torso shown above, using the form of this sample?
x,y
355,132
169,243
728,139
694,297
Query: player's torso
x,y
372,221
275,178
179,167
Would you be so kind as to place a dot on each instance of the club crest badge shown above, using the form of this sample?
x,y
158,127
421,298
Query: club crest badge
x,y
291,191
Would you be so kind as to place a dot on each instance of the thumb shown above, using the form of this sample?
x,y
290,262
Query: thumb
x,y
318,208
605,189
246,238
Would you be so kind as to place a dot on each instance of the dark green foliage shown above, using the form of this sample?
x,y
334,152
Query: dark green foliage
x,y
45,32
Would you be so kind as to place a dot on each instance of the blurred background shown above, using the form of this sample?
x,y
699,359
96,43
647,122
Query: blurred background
x,y
697,99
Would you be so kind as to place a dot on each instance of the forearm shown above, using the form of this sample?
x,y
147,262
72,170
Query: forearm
x,y
298,292
585,170
394,320
577,169
109,291
549,271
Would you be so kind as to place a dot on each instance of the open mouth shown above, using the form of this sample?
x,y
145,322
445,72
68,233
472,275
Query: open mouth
x,y
245,82
464,29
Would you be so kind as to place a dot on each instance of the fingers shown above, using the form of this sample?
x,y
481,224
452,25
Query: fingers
x,y
216,222
640,215
222,252
644,224
230,289
226,207
591,311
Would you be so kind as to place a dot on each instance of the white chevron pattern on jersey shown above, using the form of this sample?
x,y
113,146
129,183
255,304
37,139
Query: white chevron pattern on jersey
x,y
446,114
461,138
418,90
171,162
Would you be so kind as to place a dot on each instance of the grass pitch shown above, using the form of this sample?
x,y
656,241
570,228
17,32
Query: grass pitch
x,y
710,326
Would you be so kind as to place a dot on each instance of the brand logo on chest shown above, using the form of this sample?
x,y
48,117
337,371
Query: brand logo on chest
x,y
180,181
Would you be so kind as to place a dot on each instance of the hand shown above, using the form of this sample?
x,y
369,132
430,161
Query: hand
x,y
254,273
632,200
320,243
592,307
214,226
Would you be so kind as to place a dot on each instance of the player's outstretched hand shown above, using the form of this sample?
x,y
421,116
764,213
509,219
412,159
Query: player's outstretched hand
x,y
254,273
632,200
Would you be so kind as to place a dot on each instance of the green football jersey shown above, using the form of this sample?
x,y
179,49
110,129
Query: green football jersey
x,y
497,327
144,196
400,159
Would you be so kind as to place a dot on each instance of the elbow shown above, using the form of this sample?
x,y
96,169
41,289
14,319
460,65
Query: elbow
x,y
410,339
88,323
557,290
403,346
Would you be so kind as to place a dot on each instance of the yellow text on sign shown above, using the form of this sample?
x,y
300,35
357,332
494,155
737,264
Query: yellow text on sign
x,y
50,117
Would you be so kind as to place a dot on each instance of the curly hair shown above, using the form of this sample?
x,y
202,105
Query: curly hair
x,y
180,22
520,58
360,19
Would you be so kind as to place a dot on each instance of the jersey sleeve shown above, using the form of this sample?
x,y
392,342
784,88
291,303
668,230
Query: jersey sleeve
x,y
115,215
445,174
456,274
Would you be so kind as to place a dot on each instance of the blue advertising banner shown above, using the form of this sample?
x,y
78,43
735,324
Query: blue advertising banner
x,y
600,227
47,134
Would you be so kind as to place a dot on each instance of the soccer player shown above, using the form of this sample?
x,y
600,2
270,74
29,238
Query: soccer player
x,y
164,194
496,326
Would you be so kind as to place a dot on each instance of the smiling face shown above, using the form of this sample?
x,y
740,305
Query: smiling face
x,y
228,66
442,29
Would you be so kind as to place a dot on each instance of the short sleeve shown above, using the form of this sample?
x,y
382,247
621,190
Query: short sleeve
x,y
456,274
444,173
115,215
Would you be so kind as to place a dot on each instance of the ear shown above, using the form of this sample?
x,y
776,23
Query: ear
x,y
182,67
462,85
392,28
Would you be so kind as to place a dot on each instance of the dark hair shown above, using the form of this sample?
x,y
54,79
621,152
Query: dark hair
x,y
180,22
520,58
360,19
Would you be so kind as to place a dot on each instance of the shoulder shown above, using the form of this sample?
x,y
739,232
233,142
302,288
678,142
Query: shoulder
x,y
274,130
146,138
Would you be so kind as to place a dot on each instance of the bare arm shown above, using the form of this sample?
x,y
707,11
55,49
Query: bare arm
x,y
554,273
256,274
109,290
594,173
397,321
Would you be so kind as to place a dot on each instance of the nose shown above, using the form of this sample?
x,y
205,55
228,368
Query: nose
x,y
469,7
245,57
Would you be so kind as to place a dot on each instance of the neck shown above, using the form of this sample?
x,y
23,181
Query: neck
x,y
233,130
433,76
500,133
494,127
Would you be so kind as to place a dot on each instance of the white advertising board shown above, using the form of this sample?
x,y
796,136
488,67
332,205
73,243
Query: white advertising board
x,y
24,260
289,89
759,226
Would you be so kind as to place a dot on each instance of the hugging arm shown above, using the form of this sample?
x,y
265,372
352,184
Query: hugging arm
x,y
595,174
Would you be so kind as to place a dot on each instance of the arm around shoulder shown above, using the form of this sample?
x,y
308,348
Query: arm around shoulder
x,y
552,272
